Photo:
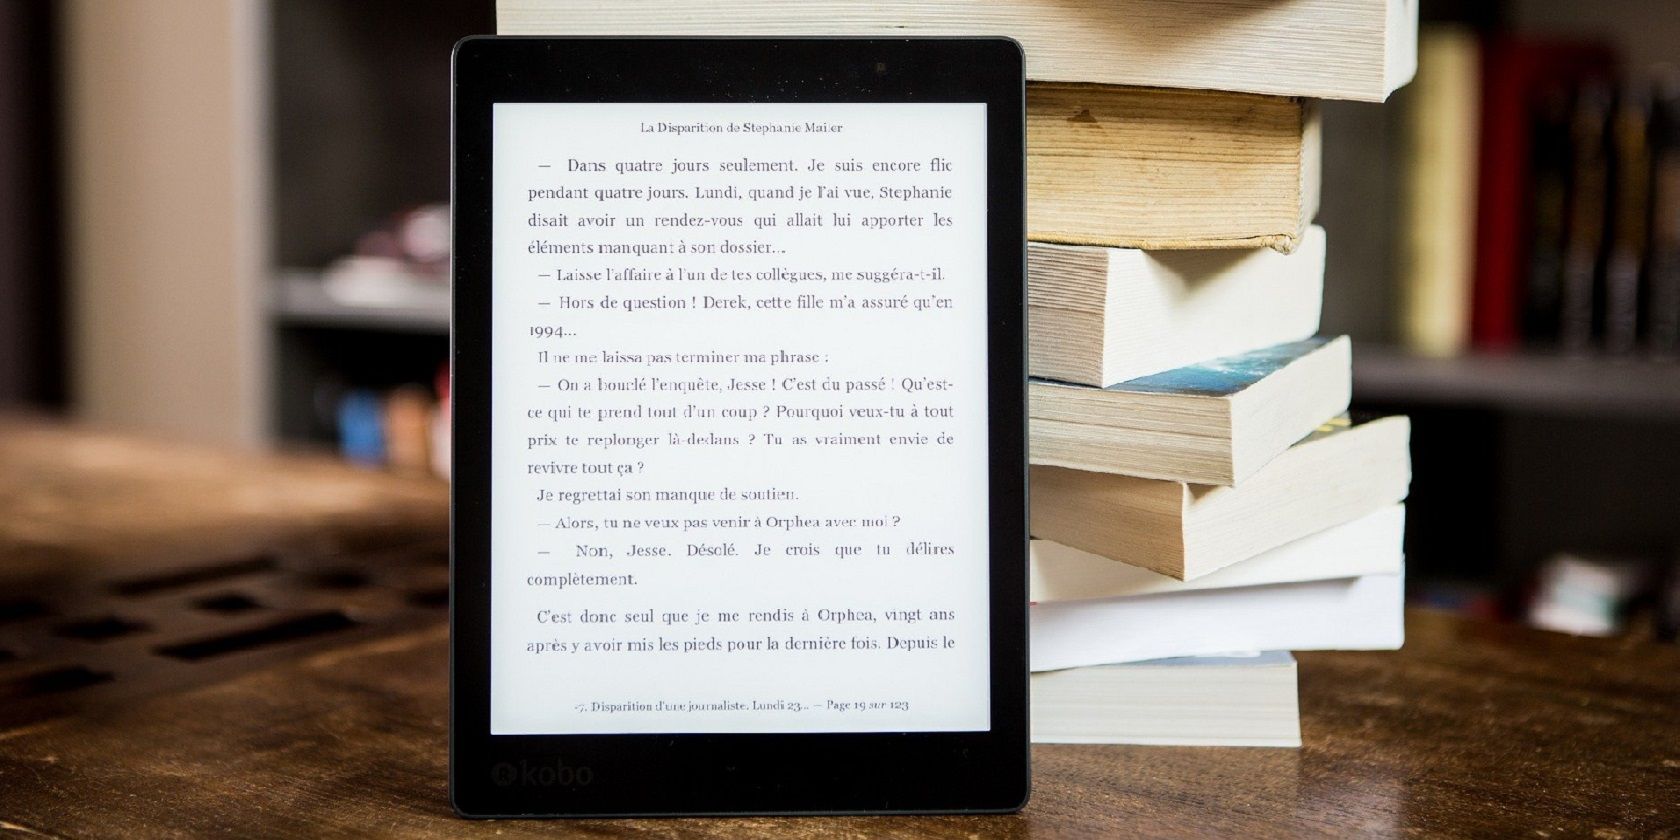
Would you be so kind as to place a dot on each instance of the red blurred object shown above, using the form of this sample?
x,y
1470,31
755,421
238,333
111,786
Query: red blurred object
x,y
1515,72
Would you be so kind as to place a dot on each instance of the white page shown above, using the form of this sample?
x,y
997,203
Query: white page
x,y
1363,613
1371,544
739,449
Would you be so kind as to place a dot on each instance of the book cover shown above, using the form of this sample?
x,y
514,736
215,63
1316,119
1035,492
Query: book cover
x,y
1215,422
1104,315
1225,376
1662,304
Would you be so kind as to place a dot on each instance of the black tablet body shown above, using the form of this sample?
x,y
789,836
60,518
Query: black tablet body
x,y
739,503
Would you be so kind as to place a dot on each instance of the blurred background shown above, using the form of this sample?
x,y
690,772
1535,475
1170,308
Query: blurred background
x,y
225,222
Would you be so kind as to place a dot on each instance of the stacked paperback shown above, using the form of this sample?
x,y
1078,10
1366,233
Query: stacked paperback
x,y
1201,502
1198,495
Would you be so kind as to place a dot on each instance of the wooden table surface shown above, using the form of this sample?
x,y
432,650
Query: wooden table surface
x,y
193,643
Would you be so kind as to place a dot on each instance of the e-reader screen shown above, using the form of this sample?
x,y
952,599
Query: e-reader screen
x,y
738,427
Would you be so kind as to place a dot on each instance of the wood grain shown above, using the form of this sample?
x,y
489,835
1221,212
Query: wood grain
x,y
1472,730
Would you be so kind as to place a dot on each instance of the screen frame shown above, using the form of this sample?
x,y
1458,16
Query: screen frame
x,y
775,773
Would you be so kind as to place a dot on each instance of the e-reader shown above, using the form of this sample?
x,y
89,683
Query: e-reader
x,y
739,500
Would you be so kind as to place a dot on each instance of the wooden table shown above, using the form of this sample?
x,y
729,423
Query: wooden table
x,y
219,694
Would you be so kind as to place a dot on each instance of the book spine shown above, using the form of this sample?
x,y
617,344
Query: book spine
x,y
1502,161
1624,267
1590,177
1549,177
1662,303
1516,74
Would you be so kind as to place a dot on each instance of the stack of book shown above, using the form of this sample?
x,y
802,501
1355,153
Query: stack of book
x,y
1196,489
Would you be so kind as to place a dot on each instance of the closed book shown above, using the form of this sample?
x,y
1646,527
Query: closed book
x,y
1198,701
1099,316
1216,422
1327,49
1369,545
1436,238
1185,530
1157,169
1363,613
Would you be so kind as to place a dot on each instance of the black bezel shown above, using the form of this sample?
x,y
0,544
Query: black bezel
x,y
507,776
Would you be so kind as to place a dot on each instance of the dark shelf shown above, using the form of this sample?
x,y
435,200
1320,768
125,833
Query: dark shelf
x,y
1523,380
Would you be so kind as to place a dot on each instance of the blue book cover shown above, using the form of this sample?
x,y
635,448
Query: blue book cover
x,y
1220,377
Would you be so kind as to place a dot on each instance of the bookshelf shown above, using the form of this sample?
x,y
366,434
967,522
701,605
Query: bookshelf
x,y
358,98
1518,455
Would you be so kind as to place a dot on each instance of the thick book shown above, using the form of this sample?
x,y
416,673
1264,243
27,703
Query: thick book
x,y
1099,316
1541,292
1363,613
1436,234
1185,531
1216,422
1326,49
1624,267
1157,169
1582,296
1373,544
1194,701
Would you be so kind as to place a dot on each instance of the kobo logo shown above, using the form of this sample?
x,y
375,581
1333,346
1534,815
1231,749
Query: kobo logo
x,y
542,774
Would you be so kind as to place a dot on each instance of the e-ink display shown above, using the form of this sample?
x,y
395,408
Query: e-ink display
x,y
738,418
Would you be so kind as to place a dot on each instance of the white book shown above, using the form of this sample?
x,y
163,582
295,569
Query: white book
x,y
1325,49
1223,701
1100,316
1187,531
1363,613
1373,544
